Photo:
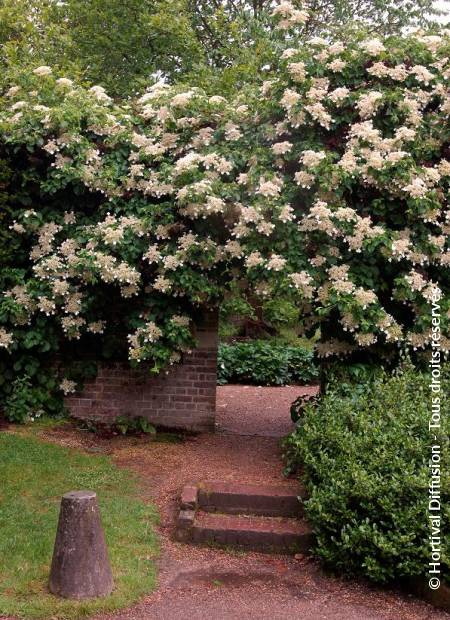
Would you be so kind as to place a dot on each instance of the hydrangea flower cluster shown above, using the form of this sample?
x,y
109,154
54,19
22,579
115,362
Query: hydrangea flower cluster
x,y
328,186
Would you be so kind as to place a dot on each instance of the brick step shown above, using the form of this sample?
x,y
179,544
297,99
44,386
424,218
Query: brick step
x,y
266,534
264,500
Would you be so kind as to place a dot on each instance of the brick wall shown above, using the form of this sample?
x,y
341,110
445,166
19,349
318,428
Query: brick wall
x,y
184,397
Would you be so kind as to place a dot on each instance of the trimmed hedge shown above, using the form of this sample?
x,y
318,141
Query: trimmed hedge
x,y
264,363
365,461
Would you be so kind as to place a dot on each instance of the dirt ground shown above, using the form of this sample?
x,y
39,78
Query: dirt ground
x,y
205,583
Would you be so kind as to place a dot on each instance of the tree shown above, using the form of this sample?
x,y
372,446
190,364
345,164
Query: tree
x,y
119,44
219,45
239,39
212,19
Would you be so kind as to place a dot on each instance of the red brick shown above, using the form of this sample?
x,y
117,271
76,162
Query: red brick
x,y
189,497
183,398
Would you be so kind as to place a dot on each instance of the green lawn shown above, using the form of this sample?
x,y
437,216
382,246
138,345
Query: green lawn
x,y
33,476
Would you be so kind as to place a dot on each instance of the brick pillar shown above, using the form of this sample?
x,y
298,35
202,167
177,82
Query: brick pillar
x,y
184,397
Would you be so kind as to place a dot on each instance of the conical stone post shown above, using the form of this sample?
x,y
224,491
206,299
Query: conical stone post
x,y
80,565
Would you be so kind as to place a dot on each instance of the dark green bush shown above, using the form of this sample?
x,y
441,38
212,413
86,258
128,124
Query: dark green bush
x,y
27,401
347,378
365,462
261,362
281,312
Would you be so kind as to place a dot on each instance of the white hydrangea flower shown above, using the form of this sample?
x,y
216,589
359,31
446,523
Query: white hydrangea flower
x,y
64,82
43,70
372,46
417,188
67,386
310,158
6,338
281,148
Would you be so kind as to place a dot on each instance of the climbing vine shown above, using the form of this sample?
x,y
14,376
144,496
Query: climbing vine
x,y
326,186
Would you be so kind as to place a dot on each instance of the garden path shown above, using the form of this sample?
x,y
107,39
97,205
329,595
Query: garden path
x,y
199,583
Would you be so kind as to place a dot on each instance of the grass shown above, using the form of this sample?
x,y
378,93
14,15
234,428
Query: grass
x,y
33,477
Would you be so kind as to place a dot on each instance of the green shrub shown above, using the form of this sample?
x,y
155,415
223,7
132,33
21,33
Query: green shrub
x,y
348,378
122,425
264,363
365,466
281,312
29,400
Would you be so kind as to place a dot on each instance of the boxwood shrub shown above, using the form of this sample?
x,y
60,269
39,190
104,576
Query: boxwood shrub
x,y
262,362
365,463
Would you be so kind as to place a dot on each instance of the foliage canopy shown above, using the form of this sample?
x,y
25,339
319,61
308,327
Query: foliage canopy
x,y
219,45
327,186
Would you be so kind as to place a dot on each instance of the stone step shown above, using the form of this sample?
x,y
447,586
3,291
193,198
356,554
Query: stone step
x,y
256,517
266,534
264,500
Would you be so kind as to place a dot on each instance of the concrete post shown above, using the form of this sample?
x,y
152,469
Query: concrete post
x,y
80,566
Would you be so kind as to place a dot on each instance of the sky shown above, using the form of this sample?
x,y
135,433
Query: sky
x,y
443,5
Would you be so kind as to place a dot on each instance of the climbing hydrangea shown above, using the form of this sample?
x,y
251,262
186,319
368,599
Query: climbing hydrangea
x,y
328,185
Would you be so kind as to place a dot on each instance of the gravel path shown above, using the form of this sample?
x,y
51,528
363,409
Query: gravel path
x,y
199,583
262,411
